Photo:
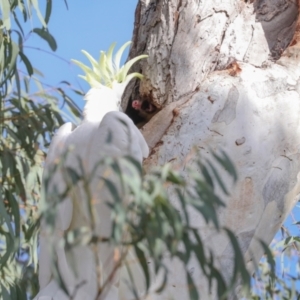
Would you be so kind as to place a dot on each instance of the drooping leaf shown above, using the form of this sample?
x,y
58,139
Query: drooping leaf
x,y
13,50
142,258
45,35
48,11
192,288
27,63
5,293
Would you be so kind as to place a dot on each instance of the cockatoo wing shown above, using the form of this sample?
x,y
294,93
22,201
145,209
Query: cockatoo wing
x,y
56,151
117,131
64,209
117,135
141,140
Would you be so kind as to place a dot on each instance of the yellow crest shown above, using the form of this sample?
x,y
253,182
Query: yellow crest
x,y
107,71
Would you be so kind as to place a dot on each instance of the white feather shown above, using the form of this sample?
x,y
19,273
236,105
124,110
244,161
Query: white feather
x,y
102,119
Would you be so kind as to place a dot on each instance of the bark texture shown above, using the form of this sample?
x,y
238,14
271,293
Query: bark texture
x,y
226,75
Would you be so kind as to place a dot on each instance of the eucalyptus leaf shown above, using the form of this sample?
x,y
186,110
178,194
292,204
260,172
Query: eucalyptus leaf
x,y
27,63
45,35
48,11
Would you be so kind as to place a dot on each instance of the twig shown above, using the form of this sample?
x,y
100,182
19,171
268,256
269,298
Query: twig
x,y
112,274
48,52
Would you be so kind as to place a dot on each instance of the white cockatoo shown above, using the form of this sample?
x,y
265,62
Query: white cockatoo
x,y
80,149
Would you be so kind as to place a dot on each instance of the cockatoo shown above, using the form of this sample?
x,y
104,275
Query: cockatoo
x,y
105,131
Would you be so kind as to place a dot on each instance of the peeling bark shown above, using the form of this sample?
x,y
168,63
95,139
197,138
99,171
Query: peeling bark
x,y
226,74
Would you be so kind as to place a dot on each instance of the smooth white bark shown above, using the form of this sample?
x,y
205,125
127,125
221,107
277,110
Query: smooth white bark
x,y
226,78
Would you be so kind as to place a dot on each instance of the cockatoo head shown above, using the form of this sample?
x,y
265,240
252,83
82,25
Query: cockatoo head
x,y
107,79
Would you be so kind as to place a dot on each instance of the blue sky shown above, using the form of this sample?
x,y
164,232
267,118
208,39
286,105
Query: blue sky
x,y
91,25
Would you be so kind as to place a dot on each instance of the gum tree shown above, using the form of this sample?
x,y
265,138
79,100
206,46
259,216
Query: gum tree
x,y
224,75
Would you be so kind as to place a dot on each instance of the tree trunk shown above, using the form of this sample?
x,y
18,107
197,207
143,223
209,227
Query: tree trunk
x,y
225,75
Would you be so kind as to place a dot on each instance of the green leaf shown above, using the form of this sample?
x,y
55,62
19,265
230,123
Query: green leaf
x,y
143,261
48,11
58,276
73,175
9,242
18,83
5,293
288,240
27,63
73,106
66,3
270,257
199,251
131,283
45,35
13,50
165,280
21,292
5,216
192,288
112,189
239,266
206,175
226,162
15,212
219,179
17,22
